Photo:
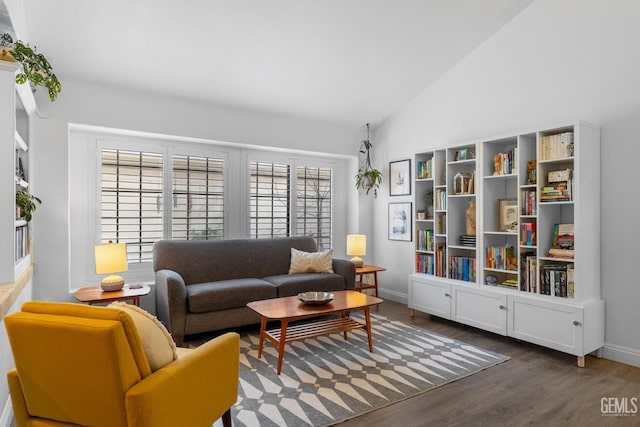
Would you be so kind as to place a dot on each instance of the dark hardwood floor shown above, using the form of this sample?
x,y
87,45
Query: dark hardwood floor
x,y
538,386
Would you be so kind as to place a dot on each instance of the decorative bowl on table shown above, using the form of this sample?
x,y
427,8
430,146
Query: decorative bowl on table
x,y
315,298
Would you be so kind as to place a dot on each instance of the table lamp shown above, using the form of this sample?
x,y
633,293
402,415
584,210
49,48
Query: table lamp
x,y
110,259
357,246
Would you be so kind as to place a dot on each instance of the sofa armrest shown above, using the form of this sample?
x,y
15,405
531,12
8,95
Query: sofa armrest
x,y
194,390
171,303
20,412
346,269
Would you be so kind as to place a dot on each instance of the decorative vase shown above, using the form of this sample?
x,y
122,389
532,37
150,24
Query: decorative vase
x,y
471,218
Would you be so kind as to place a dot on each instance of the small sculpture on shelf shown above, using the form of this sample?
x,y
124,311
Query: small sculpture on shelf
x,y
471,218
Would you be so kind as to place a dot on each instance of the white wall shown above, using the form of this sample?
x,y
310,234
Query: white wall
x,y
107,107
558,61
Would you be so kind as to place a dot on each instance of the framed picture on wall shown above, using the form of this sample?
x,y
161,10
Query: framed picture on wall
x,y
400,178
400,221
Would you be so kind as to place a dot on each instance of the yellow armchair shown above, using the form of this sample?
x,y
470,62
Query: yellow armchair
x,y
80,365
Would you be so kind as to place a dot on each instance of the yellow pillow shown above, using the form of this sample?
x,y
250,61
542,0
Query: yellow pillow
x,y
157,343
311,262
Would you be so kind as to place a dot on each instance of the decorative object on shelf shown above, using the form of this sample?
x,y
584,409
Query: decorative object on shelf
x,y
422,214
531,172
507,215
368,177
357,247
461,154
400,178
491,280
463,183
35,66
400,221
110,259
470,218
26,203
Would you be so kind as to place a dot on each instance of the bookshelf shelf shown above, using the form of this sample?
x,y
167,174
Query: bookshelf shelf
x,y
550,301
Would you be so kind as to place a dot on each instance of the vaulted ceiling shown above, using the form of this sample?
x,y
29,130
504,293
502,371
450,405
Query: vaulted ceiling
x,y
348,61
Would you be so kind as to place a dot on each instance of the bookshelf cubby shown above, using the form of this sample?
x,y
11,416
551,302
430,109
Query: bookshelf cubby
x,y
514,281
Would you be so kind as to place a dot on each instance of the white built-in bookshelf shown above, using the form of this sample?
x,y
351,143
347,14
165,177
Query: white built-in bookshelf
x,y
15,109
530,267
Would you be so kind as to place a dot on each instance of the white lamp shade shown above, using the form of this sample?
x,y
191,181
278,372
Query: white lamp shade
x,y
111,258
356,244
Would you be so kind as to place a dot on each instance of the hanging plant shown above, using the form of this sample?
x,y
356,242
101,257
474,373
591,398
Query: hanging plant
x,y
368,177
35,66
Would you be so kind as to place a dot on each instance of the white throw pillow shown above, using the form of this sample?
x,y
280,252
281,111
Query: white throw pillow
x,y
157,342
311,262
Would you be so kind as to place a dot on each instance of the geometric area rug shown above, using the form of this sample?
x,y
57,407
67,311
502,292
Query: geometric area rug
x,y
327,380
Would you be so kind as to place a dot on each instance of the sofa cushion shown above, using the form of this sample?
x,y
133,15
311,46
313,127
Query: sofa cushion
x,y
292,284
310,262
225,294
157,343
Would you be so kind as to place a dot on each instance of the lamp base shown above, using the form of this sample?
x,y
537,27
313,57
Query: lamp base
x,y
112,283
359,262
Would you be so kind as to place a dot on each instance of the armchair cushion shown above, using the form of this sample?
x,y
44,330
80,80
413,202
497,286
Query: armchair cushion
x,y
157,343
311,262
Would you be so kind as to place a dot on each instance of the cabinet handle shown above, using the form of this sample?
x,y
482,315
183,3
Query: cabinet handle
x,y
448,295
502,307
576,323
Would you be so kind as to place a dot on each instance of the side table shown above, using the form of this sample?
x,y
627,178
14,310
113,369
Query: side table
x,y
368,269
95,294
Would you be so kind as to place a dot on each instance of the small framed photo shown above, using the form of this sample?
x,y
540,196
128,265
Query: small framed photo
x,y
400,178
461,154
400,221
507,215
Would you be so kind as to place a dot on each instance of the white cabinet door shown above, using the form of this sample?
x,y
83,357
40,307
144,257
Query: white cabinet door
x,y
555,325
480,308
429,295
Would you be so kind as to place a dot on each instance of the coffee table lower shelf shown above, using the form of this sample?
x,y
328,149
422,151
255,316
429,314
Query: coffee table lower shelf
x,y
315,329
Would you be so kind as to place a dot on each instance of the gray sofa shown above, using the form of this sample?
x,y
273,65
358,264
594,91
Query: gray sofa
x,y
205,285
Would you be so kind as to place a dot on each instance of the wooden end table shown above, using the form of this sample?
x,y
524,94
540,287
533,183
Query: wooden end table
x,y
95,294
289,309
368,269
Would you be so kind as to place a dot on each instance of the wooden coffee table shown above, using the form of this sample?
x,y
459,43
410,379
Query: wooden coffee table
x,y
290,309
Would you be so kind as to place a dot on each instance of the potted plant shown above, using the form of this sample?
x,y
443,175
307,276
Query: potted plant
x,y
35,66
368,177
27,203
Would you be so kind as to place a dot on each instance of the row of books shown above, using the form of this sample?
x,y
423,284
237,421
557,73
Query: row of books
x,y
441,223
559,186
425,263
528,272
462,268
441,256
440,199
557,280
528,234
22,242
424,169
557,146
425,240
505,163
528,202
501,257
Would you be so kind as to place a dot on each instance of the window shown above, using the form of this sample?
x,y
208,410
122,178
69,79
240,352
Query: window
x,y
197,203
131,200
313,196
269,209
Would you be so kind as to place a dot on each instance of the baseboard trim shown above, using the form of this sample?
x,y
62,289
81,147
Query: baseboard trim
x,y
402,298
617,353
7,414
